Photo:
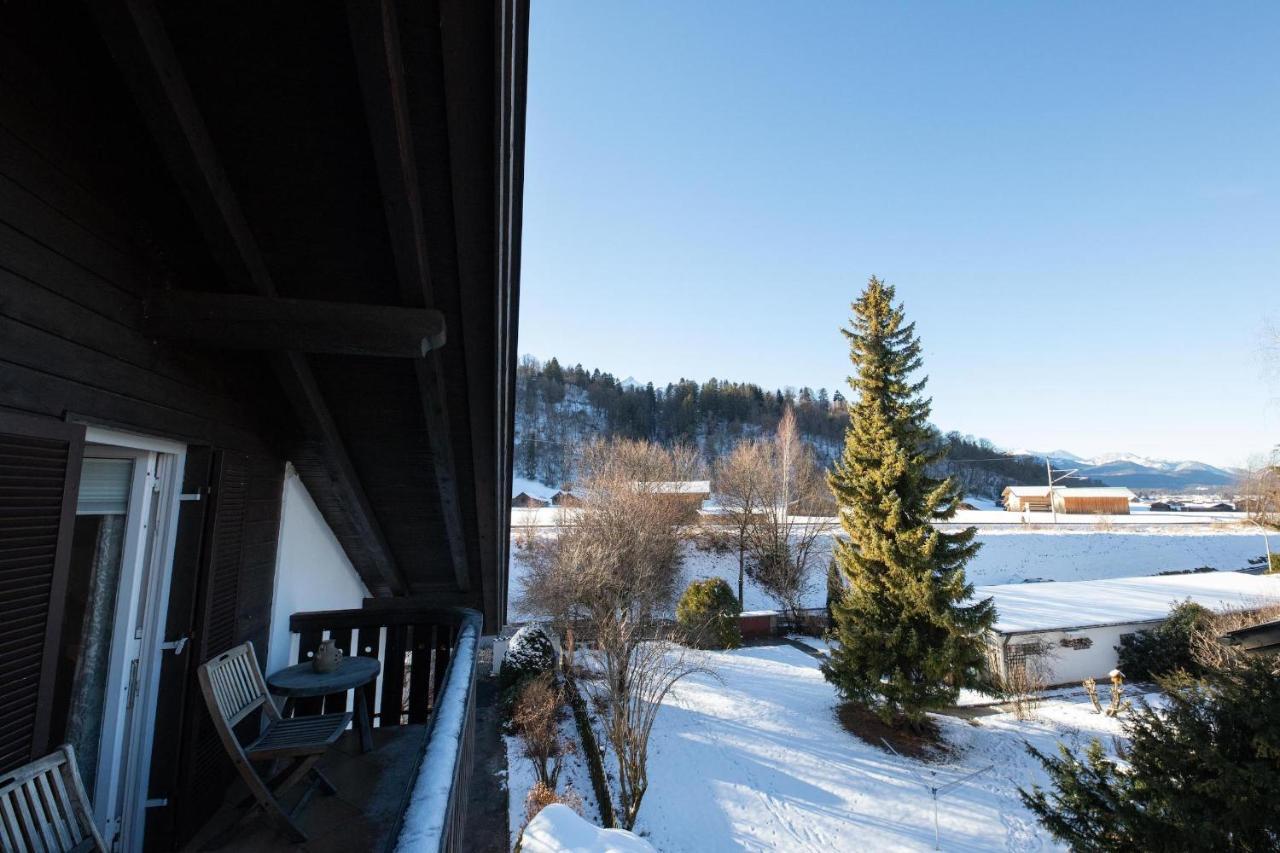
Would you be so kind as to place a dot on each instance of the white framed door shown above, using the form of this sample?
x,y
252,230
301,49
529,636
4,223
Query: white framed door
x,y
137,621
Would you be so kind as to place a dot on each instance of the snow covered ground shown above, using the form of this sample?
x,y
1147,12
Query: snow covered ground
x,y
1007,556
757,760
983,518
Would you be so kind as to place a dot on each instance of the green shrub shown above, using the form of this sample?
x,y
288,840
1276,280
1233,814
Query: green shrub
x,y
1199,773
707,615
1166,648
530,653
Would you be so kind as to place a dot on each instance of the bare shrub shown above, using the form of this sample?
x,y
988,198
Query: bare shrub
x,y
1259,490
1207,648
1026,679
540,796
712,540
1091,687
639,673
537,721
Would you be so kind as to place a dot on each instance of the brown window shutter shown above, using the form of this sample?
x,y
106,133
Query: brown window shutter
x,y
39,476
233,604
218,631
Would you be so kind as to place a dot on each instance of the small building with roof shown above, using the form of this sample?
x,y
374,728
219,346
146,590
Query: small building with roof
x,y
566,498
1073,628
691,493
1095,500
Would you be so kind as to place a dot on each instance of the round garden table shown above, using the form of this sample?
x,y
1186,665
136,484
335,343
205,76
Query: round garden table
x,y
302,681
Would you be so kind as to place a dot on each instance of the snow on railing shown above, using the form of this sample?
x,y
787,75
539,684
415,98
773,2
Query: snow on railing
x,y
432,821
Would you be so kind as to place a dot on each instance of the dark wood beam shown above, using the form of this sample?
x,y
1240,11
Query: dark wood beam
x,y
375,43
262,323
137,40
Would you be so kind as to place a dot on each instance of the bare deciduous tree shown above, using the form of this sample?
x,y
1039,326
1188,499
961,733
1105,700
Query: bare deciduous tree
x,y
547,589
740,486
639,670
616,568
1259,489
792,515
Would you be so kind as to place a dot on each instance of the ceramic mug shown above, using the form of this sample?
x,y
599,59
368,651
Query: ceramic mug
x,y
328,656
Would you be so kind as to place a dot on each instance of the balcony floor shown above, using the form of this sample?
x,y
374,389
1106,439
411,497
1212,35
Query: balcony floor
x,y
362,816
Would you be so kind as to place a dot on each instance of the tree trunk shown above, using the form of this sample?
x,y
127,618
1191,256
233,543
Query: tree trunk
x,y
742,570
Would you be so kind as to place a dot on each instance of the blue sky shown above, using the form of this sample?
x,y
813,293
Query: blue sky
x,y
1078,203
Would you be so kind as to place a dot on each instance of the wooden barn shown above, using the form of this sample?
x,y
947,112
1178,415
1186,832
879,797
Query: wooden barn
x,y
566,498
1104,500
1026,498
524,500
687,493
259,270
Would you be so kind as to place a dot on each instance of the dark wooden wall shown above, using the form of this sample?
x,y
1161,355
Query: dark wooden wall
x,y
90,222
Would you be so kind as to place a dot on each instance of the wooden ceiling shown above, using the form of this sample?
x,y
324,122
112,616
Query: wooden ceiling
x,y
337,158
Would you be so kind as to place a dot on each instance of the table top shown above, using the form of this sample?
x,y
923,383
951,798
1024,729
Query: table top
x,y
302,679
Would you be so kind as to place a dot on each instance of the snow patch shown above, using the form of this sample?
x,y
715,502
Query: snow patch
x,y
557,829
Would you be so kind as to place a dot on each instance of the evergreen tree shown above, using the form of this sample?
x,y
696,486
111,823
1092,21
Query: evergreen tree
x,y
908,639
1200,773
835,590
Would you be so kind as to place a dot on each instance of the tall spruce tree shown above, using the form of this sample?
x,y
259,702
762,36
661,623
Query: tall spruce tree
x,y
908,636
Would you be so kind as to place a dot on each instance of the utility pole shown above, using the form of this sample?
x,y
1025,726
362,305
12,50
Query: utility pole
x,y
1048,469
1069,474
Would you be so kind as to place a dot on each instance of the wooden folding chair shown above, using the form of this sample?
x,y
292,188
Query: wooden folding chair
x,y
43,807
234,688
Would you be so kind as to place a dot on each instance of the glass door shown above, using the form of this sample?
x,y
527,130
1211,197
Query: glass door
x,y
119,570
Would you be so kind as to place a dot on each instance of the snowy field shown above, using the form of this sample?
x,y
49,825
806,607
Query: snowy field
x,y
552,516
756,760
1006,556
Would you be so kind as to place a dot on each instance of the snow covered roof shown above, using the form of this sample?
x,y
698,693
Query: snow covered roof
x,y
1079,604
1069,492
679,487
1095,492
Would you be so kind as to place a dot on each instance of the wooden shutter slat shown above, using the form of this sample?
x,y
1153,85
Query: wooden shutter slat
x,y
39,475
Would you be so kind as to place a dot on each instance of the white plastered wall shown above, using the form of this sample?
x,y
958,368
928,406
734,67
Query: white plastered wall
x,y
1066,665
312,570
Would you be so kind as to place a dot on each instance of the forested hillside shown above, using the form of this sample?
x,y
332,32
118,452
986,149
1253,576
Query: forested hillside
x,y
558,407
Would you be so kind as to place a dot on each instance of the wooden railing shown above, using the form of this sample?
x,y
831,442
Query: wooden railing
x,y
417,647
413,643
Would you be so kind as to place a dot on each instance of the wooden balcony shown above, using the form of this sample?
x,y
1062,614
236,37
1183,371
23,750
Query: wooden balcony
x,y
423,711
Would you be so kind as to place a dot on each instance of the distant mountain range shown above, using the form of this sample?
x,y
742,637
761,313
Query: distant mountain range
x,y
1140,472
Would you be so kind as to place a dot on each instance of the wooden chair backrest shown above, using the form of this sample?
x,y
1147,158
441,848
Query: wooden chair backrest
x,y
44,809
233,686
